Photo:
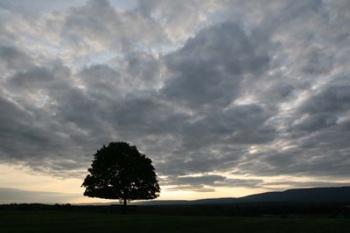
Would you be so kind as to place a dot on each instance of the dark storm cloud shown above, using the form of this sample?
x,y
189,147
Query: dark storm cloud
x,y
36,76
318,62
333,99
324,109
36,141
13,121
13,59
209,68
100,79
143,70
205,78
318,142
312,161
242,124
214,86
319,136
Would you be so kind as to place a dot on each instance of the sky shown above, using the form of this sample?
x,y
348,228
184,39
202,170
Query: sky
x,y
227,97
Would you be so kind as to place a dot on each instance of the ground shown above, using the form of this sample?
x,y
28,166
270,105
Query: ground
x,y
89,222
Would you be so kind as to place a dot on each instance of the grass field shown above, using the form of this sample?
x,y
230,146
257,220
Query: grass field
x,y
63,222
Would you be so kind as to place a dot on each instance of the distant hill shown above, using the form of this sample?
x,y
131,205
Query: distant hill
x,y
305,195
337,194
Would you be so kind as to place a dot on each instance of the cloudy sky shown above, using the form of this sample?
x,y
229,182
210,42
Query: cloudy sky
x,y
227,97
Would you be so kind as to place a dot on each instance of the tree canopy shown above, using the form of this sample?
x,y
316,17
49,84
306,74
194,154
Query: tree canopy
x,y
120,171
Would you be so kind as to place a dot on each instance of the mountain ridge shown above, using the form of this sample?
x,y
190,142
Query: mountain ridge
x,y
301,195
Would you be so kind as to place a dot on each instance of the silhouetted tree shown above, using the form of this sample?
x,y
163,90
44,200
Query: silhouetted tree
x,y
120,171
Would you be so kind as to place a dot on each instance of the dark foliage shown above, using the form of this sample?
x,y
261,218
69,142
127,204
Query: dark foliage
x,y
120,171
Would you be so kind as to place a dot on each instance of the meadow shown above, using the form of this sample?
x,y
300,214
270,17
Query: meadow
x,y
52,221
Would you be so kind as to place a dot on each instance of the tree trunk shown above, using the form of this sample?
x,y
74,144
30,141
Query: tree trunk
x,y
124,206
